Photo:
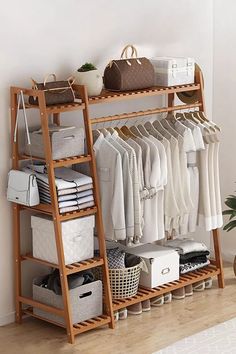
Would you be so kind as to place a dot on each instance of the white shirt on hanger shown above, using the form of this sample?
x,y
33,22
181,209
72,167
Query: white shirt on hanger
x,y
110,177
127,186
135,183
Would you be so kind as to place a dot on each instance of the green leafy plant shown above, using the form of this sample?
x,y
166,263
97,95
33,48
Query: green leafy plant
x,y
87,67
231,203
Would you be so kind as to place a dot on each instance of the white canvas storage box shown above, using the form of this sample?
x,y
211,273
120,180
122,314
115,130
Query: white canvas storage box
x,y
85,300
77,238
162,264
64,143
173,71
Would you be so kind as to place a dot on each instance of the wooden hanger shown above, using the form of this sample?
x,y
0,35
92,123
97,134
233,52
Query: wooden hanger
x,y
177,125
121,134
170,129
143,130
159,127
202,115
151,130
135,131
125,130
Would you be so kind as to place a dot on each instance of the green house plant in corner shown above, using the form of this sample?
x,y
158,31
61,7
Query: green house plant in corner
x,y
89,76
231,204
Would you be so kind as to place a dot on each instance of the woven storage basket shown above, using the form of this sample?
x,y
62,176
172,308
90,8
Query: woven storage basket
x,y
124,282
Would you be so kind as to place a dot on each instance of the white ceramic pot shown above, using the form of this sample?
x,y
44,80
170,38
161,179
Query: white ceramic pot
x,y
91,79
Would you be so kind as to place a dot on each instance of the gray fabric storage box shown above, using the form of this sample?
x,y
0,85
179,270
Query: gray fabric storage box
x,y
65,143
85,300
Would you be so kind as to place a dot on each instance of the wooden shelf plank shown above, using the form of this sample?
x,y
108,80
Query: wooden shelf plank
x,y
47,209
148,293
78,214
40,305
29,312
62,162
60,108
70,268
109,96
91,324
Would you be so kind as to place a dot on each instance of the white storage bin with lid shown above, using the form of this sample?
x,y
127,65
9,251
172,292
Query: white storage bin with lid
x,y
162,264
77,238
85,300
173,71
65,142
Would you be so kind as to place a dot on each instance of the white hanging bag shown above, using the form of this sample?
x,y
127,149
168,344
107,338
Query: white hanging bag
x,y
22,186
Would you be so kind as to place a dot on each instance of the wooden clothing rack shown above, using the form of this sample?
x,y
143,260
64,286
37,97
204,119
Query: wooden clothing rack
x,y
214,269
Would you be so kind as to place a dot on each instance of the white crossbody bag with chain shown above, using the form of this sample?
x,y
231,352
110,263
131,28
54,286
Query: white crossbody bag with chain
x,y
22,186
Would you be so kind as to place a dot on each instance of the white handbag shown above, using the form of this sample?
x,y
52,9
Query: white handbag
x,y
22,186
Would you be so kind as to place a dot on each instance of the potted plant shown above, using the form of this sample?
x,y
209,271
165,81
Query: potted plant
x,y
231,204
90,76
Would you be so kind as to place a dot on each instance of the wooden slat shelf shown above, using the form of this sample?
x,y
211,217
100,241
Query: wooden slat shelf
x,y
70,268
29,312
143,113
185,279
47,209
60,108
81,327
108,96
91,324
62,162
34,303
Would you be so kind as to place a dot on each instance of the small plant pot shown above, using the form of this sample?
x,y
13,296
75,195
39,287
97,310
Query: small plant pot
x,y
92,80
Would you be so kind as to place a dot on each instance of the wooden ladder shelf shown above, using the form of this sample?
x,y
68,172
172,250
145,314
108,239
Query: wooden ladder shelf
x,y
53,211
214,269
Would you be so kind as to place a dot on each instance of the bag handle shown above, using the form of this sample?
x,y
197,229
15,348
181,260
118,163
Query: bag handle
x,y
21,99
125,51
47,77
134,54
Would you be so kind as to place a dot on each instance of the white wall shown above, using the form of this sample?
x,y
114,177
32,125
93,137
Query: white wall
x,y
224,112
58,36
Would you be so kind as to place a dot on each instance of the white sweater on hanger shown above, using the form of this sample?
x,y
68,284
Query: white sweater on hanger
x,y
171,210
135,184
110,177
127,187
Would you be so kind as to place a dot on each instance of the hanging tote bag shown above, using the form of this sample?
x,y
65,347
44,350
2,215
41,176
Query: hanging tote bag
x,y
56,92
128,74
22,186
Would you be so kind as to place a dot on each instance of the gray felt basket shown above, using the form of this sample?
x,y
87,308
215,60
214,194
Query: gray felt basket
x,y
65,143
85,300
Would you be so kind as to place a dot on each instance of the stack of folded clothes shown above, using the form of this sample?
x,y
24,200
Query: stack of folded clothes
x,y
193,255
74,189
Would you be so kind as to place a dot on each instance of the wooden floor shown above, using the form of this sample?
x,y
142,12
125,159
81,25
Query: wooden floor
x,y
143,334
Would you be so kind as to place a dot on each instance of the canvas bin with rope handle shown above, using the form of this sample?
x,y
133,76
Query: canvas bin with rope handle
x,y
56,92
126,74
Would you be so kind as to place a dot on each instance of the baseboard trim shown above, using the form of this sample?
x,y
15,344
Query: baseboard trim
x,y
7,319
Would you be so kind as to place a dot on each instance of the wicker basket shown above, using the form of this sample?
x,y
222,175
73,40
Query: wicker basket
x,y
124,282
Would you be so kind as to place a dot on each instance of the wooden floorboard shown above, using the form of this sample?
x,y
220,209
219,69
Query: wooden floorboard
x,y
143,334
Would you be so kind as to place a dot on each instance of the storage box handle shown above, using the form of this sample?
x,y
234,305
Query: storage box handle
x,y
69,137
165,271
81,296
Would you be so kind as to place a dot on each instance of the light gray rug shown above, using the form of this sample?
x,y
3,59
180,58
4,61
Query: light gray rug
x,y
220,339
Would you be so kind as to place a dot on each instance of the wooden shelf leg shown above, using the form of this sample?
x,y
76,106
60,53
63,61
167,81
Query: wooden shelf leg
x,y
16,212
218,257
17,259
99,222
56,220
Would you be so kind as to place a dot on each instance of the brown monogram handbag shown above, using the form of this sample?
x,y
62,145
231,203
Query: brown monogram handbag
x,y
128,74
56,92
